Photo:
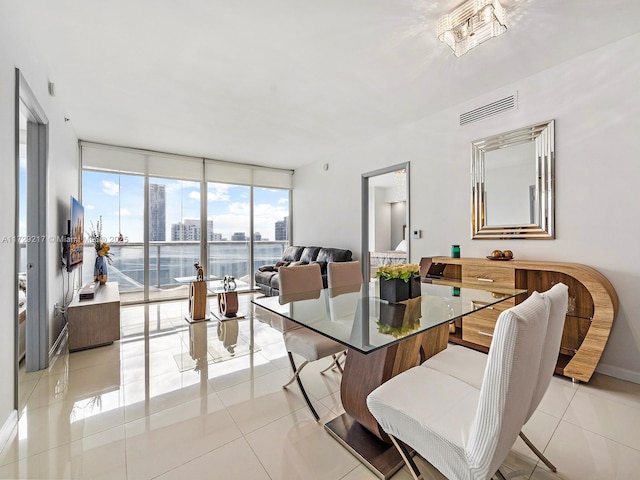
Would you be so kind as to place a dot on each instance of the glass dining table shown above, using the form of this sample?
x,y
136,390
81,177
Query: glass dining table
x,y
382,339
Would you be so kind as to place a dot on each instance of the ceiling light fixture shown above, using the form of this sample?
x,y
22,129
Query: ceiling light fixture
x,y
472,23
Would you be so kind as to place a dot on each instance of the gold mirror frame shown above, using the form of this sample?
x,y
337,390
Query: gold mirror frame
x,y
543,136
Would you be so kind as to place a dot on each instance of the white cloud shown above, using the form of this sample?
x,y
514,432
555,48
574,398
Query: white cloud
x,y
227,224
218,193
110,188
284,200
172,187
238,208
124,212
194,195
89,207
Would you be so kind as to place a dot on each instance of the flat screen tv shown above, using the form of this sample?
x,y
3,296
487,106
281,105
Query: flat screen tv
x,y
76,235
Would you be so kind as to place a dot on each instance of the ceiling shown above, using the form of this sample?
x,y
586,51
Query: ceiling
x,y
284,83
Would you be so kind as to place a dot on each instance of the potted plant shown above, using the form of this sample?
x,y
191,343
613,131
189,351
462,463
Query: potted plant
x,y
399,282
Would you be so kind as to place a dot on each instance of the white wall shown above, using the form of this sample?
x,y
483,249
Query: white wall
x,y
15,51
595,103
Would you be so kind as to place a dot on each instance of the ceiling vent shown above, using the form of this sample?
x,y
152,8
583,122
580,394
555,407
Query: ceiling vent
x,y
499,106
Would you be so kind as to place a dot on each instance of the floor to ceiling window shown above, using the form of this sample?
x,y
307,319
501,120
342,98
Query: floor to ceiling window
x,y
156,238
174,236
117,200
229,230
270,223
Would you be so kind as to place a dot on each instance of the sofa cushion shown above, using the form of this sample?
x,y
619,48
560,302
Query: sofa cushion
x,y
274,283
267,268
264,277
292,254
309,254
333,255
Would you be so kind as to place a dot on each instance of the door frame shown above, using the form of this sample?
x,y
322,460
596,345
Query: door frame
x,y
37,331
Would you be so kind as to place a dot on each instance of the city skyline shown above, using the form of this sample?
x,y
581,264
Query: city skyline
x,y
190,230
120,201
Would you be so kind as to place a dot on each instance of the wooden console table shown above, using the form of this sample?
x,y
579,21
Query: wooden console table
x,y
94,322
593,304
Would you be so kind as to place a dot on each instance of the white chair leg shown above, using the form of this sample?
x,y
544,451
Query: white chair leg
x,y
302,390
332,365
538,453
336,363
296,374
408,460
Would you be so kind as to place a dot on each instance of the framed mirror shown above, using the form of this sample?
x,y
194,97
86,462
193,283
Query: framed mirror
x,y
512,183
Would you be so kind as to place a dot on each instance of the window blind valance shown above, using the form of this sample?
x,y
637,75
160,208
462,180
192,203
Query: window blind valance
x,y
142,162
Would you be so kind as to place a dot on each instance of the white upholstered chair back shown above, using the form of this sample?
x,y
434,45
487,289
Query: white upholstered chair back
x,y
343,277
508,385
300,282
558,296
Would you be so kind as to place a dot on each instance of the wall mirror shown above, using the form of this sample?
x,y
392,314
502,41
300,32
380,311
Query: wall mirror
x,y
512,184
385,217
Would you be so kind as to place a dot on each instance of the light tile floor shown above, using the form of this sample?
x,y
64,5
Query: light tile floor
x,y
143,408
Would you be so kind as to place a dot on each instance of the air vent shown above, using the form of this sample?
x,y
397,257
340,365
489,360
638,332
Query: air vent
x,y
499,106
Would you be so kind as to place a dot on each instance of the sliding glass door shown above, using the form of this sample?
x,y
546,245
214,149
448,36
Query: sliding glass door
x,y
118,201
229,230
158,223
174,236
271,224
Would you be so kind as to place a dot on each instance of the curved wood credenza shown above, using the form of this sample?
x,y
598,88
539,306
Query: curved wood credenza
x,y
593,304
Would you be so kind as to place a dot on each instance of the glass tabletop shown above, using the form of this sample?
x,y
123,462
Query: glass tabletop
x,y
217,286
359,319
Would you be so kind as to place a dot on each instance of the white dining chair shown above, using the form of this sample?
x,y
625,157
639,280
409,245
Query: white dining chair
x,y
464,432
298,283
469,365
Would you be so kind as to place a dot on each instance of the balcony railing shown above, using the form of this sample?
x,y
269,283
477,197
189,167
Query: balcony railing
x,y
171,260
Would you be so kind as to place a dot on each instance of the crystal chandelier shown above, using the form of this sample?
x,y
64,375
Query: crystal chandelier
x,y
472,23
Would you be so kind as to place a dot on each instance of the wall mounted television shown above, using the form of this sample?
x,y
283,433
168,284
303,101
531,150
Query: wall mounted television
x,y
75,250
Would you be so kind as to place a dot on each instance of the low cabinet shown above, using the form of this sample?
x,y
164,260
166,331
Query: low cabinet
x,y
94,322
592,308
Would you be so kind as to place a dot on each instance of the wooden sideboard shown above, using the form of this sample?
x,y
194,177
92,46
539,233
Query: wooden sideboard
x,y
593,304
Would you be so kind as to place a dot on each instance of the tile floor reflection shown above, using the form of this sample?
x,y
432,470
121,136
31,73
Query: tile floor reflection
x,y
179,400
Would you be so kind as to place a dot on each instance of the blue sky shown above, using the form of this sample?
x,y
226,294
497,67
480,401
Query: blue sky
x,y
119,199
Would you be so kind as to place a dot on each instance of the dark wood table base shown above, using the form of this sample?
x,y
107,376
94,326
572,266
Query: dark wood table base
x,y
357,430
381,458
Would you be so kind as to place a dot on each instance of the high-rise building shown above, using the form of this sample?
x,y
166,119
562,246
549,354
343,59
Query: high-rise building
x,y
189,230
239,237
282,229
157,213
257,236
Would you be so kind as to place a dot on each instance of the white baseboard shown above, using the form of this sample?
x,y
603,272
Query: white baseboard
x,y
619,372
8,428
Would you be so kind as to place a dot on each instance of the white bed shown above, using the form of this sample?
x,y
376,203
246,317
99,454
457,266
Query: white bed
x,y
390,257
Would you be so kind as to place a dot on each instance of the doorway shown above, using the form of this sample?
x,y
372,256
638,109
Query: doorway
x,y
31,334
385,217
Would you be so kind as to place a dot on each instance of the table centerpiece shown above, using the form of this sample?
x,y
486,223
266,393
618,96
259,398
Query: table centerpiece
x,y
399,282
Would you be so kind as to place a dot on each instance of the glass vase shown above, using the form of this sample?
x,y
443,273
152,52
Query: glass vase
x,y
100,270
